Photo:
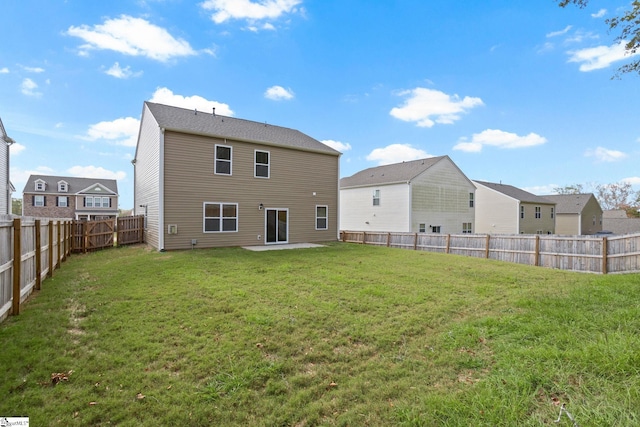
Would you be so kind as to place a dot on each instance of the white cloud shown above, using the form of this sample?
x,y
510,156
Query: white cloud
x,y
165,96
4,70
633,180
427,107
500,139
278,93
34,69
122,73
28,87
224,10
541,189
595,58
123,131
131,36
559,33
599,14
602,154
337,145
396,153
19,177
16,148
95,172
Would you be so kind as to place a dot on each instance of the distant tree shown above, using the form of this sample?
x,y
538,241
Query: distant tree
x,y
619,195
16,206
569,189
628,25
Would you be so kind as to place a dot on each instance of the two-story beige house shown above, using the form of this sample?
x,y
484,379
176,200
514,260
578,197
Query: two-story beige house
x,y
47,196
505,209
429,195
206,180
577,214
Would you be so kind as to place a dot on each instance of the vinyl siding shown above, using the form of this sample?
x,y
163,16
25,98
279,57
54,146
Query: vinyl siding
x,y
356,208
591,208
568,224
295,175
147,176
531,225
496,213
440,197
5,189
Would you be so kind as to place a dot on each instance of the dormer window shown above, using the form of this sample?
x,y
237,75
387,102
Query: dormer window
x,y
63,187
40,185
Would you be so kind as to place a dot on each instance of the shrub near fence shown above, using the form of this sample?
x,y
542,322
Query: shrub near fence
x,y
593,254
43,244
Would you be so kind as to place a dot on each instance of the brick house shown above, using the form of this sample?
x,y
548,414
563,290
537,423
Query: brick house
x,y
70,197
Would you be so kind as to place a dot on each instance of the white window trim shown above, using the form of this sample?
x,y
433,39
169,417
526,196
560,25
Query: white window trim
x,y
326,218
538,212
215,160
422,227
469,230
221,218
521,212
63,187
35,201
471,200
255,164
66,201
87,200
376,196
40,185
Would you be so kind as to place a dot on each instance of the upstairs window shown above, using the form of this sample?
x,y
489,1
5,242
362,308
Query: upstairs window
x,y
261,164
223,160
553,212
521,212
63,201
538,212
322,217
422,228
466,228
88,202
470,200
39,201
376,197
40,185
63,187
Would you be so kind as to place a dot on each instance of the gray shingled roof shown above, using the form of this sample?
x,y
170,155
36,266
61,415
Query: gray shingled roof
x,y
569,203
206,123
389,174
75,184
516,193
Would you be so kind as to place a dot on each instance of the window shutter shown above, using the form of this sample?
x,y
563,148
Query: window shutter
x,y
109,201
84,202
67,201
58,201
44,200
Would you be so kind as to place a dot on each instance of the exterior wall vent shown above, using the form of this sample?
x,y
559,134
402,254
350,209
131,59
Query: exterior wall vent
x,y
172,229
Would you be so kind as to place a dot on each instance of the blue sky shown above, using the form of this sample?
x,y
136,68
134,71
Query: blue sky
x,y
513,91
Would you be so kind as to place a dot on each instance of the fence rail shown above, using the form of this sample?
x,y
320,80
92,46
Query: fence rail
x,y
592,254
32,248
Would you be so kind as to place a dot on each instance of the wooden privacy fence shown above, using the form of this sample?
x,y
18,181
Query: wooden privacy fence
x,y
31,249
593,254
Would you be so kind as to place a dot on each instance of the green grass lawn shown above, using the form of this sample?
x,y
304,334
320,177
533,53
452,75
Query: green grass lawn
x,y
345,335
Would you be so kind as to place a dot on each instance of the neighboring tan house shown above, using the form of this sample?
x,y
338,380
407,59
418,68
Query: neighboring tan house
x,y
205,180
430,195
5,184
577,214
505,209
70,197
617,222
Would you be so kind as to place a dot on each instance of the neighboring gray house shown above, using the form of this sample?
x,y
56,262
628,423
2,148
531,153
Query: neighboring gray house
x,y
205,180
429,195
617,222
5,184
47,196
577,214
505,209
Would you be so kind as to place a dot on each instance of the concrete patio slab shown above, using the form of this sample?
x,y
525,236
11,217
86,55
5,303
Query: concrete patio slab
x,y
280,247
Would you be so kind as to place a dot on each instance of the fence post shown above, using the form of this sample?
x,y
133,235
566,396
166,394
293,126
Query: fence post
x,y
388,239
364,233
415,242
50,230
17,261
486,250
63,241
604,255
446,251
38,255
60,247
536,261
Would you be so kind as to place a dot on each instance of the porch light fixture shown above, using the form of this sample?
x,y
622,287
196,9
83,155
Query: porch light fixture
x,y
260,206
